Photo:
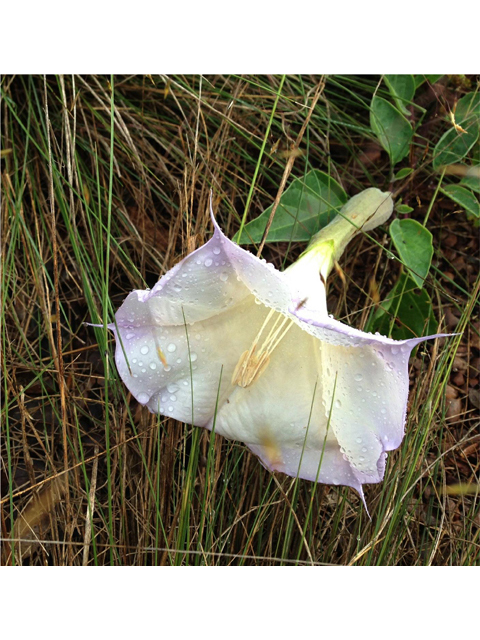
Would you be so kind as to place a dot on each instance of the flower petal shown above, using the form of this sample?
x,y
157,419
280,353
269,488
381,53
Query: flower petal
x,y
284,403
326,465
366,382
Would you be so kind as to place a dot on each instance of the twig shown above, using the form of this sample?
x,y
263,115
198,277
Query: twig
x,y
289,165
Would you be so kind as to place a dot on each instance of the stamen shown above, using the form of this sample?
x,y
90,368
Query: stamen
x,y
162,357
252,363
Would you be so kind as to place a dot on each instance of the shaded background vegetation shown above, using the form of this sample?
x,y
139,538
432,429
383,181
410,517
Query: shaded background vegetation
x,y
105,185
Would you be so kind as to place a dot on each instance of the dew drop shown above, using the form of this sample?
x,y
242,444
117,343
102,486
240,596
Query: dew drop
x,y
171,347
338,404
173,398
208,262
153,365
216,251
144,350
359,440
129,336
143,397
171,388
170,408
224,277
193,356
167,368
358,377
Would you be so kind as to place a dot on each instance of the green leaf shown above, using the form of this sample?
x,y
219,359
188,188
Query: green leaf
x,y
468,109
405,313
464,198
454,145
414,245
472,182
403,173
392,129
305,207
403,209
432,78
402,87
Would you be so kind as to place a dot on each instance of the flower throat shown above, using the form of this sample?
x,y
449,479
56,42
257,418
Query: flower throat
x,y
253,362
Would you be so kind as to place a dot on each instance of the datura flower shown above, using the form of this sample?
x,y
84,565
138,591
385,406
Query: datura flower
x,y
227,342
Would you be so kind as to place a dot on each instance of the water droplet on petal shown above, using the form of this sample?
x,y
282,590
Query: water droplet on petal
x,y
216,251
224,277
143,397
359,440
358,377
171,347
208,262
129,336
144,350
153,365
193,356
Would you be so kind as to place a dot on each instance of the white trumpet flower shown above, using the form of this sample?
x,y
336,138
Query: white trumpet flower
x,y
225,340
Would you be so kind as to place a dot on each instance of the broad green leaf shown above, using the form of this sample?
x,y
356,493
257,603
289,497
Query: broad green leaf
x,y
468,109
305,207
405,313
392,129
403,173
414,245
464,198
454,145
472,182
402,87
432,78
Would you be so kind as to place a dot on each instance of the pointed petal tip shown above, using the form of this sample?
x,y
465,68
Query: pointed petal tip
x,y
359,490
100,326
216,228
